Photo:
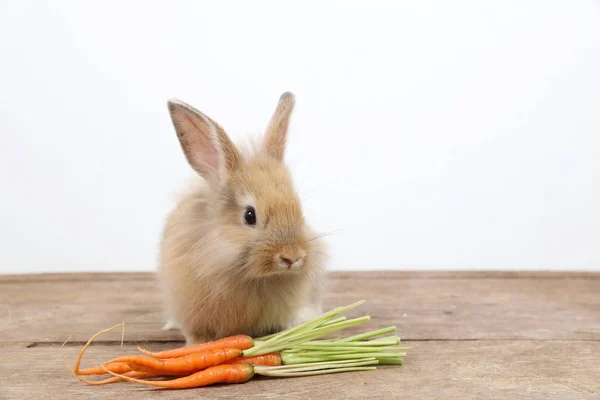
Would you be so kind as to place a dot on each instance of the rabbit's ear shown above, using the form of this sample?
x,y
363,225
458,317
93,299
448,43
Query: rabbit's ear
x,y
276,133
207,147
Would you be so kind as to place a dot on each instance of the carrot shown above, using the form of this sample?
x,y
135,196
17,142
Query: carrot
x,y
227,373
77,372
181,365
269,359
130,374
118,367
241,342
143,368
83,349
240,373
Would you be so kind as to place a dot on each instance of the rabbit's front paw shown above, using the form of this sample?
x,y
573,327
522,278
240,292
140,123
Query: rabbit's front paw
x,y
306,314
170,326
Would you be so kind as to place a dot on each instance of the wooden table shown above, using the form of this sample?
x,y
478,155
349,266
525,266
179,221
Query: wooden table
x,y
483,335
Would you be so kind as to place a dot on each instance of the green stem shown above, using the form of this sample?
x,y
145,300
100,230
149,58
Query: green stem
x,y
346,345
317,364
318,320
302,358
276,344
324,331
316,368
313,323
325,323
366,335
333,321
289,357
310,373
310,349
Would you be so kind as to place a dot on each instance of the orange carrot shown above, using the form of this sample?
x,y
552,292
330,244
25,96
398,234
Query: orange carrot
x,y
241,342
181,365
143,368
119,368
83,349
130,374
78,373
228,373
269,359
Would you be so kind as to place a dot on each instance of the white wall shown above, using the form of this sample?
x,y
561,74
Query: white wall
x,y
447,135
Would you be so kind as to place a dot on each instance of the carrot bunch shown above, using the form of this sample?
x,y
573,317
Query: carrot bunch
x,y
298,351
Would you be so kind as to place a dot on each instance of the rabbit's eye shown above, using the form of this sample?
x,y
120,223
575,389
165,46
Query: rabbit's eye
x,y
250,216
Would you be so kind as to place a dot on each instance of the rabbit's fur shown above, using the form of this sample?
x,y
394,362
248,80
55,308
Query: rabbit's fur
x,y
220,275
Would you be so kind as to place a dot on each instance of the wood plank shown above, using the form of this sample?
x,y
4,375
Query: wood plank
x,y
371,274
433,370
36,309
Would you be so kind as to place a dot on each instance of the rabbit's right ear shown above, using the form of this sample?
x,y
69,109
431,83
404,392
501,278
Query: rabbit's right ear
x,y
277,130
207,147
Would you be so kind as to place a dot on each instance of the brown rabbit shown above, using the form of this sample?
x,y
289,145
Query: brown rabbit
x,y
237,255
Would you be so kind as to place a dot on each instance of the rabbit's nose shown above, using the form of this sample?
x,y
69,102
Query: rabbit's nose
x,y
287,261
291,257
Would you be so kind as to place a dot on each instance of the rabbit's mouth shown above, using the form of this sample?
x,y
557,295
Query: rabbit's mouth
x,y
268,258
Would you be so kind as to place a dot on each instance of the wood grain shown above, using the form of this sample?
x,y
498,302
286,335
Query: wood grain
x,y
433,370
474,335
424,306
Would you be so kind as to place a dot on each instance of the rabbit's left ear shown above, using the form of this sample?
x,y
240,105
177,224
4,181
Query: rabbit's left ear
x,y
207,147
276,133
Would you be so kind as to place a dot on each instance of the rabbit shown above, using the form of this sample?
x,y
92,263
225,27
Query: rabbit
x,y
236,255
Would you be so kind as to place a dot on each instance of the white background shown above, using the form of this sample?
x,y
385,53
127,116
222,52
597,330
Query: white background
x,y
427,135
